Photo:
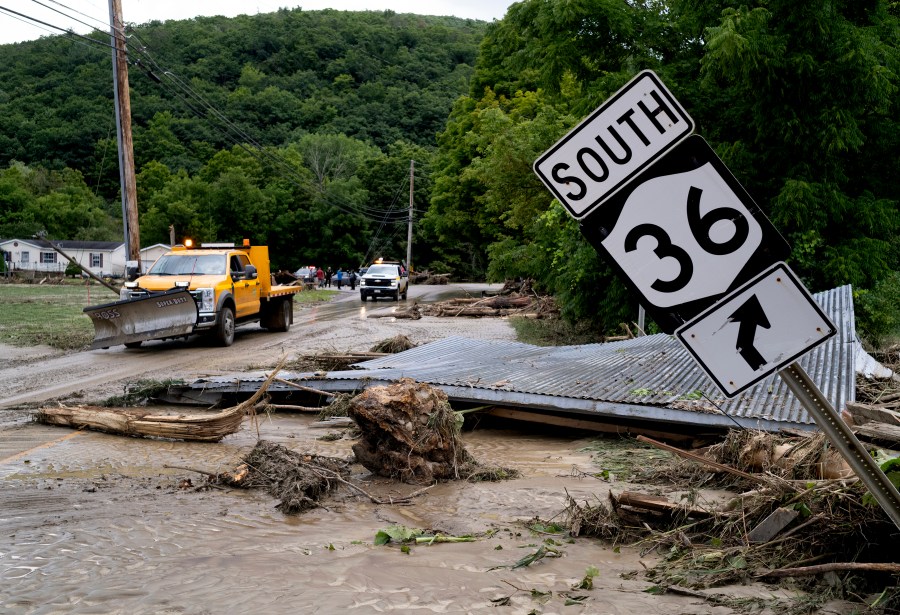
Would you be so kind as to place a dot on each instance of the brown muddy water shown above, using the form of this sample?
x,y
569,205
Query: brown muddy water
x,y
94,523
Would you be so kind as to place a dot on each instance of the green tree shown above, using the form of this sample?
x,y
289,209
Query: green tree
x,y
809,96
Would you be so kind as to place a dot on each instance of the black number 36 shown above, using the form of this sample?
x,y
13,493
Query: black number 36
x,y
700,228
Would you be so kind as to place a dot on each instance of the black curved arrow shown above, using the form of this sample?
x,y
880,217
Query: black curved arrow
x,y
750,316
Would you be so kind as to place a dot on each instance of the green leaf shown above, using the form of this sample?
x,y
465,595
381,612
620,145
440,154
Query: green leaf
x,y
588,581
396,533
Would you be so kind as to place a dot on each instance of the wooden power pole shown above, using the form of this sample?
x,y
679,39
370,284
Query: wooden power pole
x,y
127,182
412,166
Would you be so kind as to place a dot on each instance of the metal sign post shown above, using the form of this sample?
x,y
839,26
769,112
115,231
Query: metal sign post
x,y
843,439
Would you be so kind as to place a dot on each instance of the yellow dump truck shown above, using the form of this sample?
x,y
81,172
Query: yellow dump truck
x,y
210,289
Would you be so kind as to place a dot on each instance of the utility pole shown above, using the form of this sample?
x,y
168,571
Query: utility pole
x,y
412,166
127,183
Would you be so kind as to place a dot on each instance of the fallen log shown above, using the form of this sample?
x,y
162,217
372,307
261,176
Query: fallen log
x,y
411,313
656,503
134,422
210,427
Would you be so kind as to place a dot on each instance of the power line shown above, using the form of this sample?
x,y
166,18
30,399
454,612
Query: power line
x,y
49,25
63,14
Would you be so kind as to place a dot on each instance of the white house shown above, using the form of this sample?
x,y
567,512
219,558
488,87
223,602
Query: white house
x,y
102,258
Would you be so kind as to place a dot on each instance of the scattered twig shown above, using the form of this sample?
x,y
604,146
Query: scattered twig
x,y
703,460
805,571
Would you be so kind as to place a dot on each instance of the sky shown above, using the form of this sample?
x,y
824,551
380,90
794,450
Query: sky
x,y
82,16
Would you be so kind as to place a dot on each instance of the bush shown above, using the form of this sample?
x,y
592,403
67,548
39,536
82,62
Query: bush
x,y
73,270
878,312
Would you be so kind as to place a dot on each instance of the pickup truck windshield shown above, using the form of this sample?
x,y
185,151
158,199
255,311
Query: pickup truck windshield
x,y
203,264
383,270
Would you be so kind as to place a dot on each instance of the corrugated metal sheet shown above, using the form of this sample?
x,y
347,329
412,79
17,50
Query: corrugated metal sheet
x,y
647,378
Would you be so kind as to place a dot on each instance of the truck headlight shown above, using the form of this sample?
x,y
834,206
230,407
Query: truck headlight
x,y
362,282
207,299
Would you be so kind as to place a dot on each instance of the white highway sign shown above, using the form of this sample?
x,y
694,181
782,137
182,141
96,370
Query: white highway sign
x,y
626,134
760,328
684,233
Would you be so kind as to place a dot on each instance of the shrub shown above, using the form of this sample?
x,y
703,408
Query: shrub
x,y
878,311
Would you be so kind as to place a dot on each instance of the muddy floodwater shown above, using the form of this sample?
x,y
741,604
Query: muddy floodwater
x,y
94,523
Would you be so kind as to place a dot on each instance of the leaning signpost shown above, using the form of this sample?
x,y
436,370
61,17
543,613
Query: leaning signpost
x,y
687,238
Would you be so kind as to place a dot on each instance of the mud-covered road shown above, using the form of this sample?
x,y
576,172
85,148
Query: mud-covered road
x,y
36,375
97,523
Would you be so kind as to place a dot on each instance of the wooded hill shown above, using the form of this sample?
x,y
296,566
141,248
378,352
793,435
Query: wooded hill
x,y
329,105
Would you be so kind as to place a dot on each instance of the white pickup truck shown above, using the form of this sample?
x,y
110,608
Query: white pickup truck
x,y
384,280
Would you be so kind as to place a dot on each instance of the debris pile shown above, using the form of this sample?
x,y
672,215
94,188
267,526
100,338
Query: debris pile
x,y
783,516
875,416
298,480
514,299
393,345
340,360
409,432
427,277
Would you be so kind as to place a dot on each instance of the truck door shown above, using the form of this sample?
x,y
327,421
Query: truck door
x,y
246,292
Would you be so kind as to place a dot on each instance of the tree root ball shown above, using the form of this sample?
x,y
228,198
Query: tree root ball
x,y
410,433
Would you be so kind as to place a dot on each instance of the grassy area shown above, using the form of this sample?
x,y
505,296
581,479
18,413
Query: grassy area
x,y
49,314
553,332
53,314
314,296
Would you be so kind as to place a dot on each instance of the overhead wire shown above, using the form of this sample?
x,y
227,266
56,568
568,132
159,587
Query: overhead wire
x,y
370,251
68,31
50,8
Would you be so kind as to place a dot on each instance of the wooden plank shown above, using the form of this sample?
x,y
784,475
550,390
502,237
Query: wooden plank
x,y
863,413
573,423
772,525
879,431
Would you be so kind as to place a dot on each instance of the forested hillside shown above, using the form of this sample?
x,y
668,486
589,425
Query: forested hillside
x,y
799,97
295,128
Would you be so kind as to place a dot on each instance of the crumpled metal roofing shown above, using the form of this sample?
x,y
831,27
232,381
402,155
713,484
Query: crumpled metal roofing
x,y
647,378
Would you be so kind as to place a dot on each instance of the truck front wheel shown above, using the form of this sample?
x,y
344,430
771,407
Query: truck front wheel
x,y
225,327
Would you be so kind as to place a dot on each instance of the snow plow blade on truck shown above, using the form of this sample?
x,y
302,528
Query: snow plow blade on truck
x,y
171,313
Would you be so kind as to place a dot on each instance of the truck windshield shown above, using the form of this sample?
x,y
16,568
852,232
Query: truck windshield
x,y
202,264
382,270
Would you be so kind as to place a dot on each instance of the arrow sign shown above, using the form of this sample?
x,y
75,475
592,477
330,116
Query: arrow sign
x,y
759,328
750,316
